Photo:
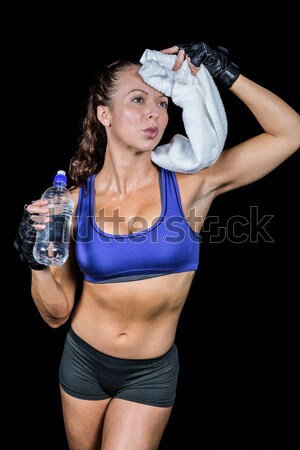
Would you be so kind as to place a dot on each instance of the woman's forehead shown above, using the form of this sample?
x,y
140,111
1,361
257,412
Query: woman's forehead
x,y
131,79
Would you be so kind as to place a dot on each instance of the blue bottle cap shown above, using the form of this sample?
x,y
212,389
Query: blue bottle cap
x,y
60,177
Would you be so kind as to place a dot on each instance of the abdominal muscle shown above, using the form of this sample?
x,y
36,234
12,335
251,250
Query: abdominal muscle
x,y
135,319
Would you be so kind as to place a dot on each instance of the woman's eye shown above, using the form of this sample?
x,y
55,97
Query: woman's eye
x,y
164,104
138,100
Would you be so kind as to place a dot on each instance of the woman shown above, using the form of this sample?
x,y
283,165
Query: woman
x,y
119,367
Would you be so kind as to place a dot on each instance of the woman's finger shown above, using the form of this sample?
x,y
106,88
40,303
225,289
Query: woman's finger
x,y
171,50
179,60
194,69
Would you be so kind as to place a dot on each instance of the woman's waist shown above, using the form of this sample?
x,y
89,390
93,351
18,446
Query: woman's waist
x,y
127,342
135,319
125,333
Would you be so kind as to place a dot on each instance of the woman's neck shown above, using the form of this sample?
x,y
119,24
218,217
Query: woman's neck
x,y
123,175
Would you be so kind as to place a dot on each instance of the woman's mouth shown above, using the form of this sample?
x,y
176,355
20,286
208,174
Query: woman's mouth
x,y
151,132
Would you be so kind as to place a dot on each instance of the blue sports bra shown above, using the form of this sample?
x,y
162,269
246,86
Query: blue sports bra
x,y
168,246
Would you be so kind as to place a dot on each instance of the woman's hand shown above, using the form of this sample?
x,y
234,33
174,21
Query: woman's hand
x,y
215,60
181,57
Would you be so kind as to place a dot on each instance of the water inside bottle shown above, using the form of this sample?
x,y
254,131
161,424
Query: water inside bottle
x,y
52,244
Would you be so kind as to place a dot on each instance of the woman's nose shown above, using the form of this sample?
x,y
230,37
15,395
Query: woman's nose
x,y
153,115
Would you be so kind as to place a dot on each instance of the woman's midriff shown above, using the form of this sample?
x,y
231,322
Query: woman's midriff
x,y
135,319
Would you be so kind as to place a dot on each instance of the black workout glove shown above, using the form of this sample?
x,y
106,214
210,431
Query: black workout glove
x,y
216,61
25,240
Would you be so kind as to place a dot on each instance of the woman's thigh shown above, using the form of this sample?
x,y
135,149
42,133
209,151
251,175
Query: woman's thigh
x,y
133,426
83,421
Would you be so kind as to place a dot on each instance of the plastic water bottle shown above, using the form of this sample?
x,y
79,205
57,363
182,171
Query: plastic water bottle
x,y
52,244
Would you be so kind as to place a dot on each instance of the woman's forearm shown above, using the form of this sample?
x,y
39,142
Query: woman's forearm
x,y
274,115
50,298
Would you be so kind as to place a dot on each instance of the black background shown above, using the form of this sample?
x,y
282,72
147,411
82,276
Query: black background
x,y
237,330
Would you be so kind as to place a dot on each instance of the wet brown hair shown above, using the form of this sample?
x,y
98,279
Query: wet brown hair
x,y
89,157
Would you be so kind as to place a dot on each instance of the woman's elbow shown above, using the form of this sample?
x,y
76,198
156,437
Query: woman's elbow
x,y
55,322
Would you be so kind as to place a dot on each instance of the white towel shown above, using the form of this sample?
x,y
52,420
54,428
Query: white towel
x,y
203,114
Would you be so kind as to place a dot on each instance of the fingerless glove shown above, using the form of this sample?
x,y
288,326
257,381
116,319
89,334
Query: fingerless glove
x,y
215,60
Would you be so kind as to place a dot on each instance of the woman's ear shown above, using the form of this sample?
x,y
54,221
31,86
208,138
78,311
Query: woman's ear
x,y
103,115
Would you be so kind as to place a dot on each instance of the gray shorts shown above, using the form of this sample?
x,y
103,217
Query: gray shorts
x,y
89,374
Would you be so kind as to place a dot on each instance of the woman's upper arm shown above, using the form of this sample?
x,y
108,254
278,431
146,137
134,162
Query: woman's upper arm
x,y
249,161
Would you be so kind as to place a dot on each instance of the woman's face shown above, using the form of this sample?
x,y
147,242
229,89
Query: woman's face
x,y
138,113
